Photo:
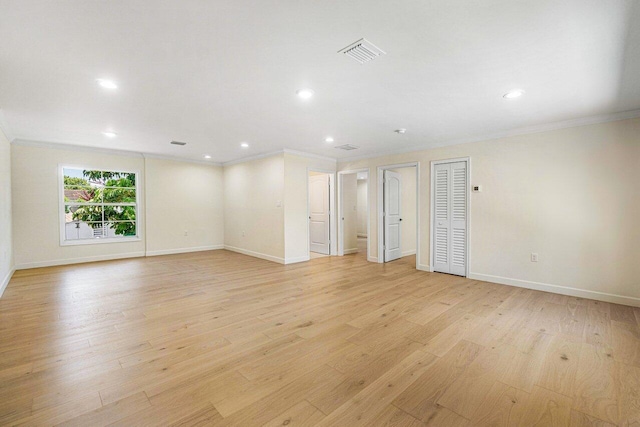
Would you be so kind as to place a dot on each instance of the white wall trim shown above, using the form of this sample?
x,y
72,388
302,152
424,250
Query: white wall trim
x,y
424,267
6,280
108,151
297,259
583,121
181,159
407,253
255,254
309,155
350,251
83,260
251,158
71,147
372,259
556,289
184,250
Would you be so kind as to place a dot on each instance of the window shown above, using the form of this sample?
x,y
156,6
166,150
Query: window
x,y
98,206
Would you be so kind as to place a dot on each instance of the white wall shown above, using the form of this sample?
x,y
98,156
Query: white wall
x,y
6,245
570,195
252,192
181,198
36,198
350,213
362,207
174,196
408,193
296,198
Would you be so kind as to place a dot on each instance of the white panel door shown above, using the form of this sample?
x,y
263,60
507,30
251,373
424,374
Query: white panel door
x,y
319,214
392,215
450,218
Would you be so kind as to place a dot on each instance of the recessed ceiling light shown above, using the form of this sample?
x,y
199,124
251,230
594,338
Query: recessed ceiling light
x,y
400,131
244,145
328,139
110,134
206,156
107,84
305,93
516,93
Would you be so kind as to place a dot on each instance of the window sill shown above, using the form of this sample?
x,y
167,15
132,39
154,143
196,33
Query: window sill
x,y
99,241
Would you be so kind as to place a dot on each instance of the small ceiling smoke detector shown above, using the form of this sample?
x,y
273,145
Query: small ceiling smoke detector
x,y
244,145
400,131
206,156
328,139
178,143
347,147
362,51
110,134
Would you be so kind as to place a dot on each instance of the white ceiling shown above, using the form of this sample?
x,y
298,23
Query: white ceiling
x,y
216,73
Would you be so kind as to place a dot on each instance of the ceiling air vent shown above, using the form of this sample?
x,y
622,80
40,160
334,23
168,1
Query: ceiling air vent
x,y
178,143
347,147
362,51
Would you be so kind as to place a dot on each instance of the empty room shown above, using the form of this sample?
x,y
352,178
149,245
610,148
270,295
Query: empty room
x,y
331,213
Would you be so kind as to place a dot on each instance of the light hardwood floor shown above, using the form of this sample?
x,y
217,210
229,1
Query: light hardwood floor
x,y
218,338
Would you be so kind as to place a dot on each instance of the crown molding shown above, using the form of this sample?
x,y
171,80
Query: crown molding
x,y
275,153
566,124
180,159
70,147
4,127
252,158
309,155
108,151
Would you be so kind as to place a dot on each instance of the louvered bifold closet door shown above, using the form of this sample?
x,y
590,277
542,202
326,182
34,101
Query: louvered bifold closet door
x,y
450,218
457,248
441,229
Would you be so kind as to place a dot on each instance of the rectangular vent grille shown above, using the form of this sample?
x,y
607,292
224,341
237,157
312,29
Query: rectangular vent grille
x,y
347,147
178,143
362,51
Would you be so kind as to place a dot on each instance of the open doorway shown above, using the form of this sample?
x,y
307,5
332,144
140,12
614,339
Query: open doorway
x,y
353,212
319,214
398,207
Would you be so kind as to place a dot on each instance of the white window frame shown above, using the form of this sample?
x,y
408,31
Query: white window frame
x,y
95,241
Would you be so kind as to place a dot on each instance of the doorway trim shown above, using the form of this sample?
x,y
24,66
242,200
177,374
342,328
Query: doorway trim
x,y
380,208
467,160
333,247
341,207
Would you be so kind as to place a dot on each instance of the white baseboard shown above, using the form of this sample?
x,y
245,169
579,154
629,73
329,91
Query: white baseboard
x,y
562,290
407,253
83,260
6,280
372,259
424,267
350,251
255,254
297,259
184,250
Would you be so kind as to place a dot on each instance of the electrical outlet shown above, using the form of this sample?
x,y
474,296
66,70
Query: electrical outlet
x,y
534,257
